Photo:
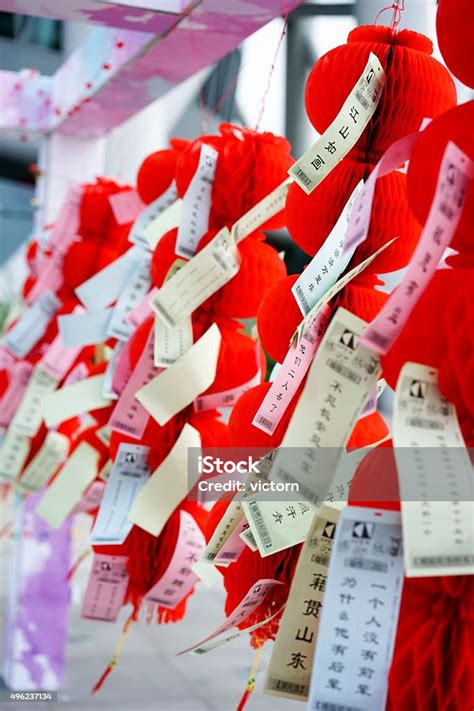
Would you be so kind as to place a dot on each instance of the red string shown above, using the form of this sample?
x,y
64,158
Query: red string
x,y
397,7
272,71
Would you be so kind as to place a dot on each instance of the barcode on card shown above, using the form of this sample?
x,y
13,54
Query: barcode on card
x,y
259,522
228,555
344,371
425,423
330,706
302,298
268,424
429,561
379,339
290,687
376,566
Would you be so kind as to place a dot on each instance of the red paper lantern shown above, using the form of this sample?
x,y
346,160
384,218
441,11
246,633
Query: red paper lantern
x,y
454,125
455,30
250,165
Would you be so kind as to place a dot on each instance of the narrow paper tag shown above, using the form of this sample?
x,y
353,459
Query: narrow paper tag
x,y
345,130
106,588
167,486
360,612
455,175
249,539
58,359
289,671
105,287
31,326
198,279
196,206
149,214
231,519
83,396
44,464
84,329
168,220
172,343
177,386
338,385
128,476
29,416
335,289
179,579
271,205
129,416
252,600
435,476
290,375
234,545
138,284
19,376
359,219
62,495
326,266
126,206
14,451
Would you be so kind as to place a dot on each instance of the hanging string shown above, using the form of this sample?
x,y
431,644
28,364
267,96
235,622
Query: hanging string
x,y
252,678
118,649
397,8
272,70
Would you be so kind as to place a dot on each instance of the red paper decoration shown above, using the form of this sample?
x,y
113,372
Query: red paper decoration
x,y
455,30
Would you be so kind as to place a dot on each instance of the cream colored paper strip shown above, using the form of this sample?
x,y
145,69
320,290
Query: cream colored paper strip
x,y
44,464
177,386
345,130
84,396
62,495
166,487
289,671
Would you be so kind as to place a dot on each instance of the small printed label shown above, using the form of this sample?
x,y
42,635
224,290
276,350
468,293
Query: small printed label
x,y
106,588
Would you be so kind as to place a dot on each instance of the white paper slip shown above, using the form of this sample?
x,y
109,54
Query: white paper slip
x,y
106,588
138,284
29,416
248,538
129,474
289,670
207,573
83,396
327,265
31,326
271,205
277,525
232,517
105,287
252,600
107,389
359,617
345,130
435,475
167,486
171,343
196,206
335,289
216,264
149,214
62,495
14,450
84,329
50,456
177,386
168,220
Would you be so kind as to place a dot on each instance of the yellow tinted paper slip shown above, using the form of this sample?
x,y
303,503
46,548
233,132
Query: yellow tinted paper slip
x,y
198,279
166,487
13,453
84,396
177,386
345,130
43,465
28,417
168,220
435,476
289,671
62,495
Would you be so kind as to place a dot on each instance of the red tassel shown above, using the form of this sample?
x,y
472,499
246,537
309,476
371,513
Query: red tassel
x,y
251,681
121,641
